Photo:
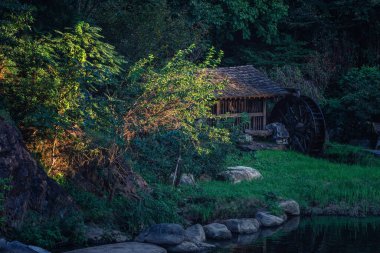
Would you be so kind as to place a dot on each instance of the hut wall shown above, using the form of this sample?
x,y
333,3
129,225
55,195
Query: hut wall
x,y
236,108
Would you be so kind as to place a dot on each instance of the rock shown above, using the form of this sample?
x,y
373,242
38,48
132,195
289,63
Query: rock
x,y
163,234
238,174
185,179
195,233
268,220
126,247
204,246
3,243
205,178
184,247
268,232
316,211
291,224
290,207
245,139
38,249
190,247
284,217
18,247
97,235
246,239
280,133
217,231
31,188
242,226
93,234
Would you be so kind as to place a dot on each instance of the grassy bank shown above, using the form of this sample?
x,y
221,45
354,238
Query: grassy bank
x,y
346,189
314,183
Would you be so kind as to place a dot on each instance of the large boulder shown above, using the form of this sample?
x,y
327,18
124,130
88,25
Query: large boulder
x,y
18,247
268,220
290,207
242,226
30,187
238,174
38,249
3,243
195,233
217,231
187,246
126,247
163,234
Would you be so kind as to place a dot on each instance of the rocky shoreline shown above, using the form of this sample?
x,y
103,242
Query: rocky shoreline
x,y
169,237
199,238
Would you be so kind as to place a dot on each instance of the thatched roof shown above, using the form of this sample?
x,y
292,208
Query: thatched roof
x,y
246,81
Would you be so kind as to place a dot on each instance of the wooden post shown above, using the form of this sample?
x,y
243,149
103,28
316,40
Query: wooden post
x,y
218,108
264,113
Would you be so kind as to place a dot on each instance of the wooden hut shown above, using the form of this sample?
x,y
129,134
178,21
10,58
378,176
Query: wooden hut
x,y
246,92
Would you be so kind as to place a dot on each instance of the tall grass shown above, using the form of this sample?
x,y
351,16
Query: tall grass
x,y
310,181
350,155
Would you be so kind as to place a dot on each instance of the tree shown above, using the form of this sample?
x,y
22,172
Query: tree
x,y
357,104
139,28
166,120
177,96
56,86
239,19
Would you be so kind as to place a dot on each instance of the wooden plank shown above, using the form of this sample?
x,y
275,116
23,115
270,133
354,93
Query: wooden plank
x,y
236,115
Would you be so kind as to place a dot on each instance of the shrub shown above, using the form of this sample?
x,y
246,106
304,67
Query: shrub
x,y
357,103
56,87
4,187
350,155
128,214
166,119
177,96
52,232
157,155
292,77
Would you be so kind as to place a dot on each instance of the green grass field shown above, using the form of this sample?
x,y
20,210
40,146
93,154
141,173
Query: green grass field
x,y
311,182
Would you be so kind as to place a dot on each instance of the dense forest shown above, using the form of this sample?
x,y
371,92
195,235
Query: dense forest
x,y
100,87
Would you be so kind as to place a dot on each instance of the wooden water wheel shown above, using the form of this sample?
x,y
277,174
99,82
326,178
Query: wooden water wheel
x,y
304,120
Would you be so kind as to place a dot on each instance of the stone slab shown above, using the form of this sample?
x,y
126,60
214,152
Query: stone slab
x,y
126,247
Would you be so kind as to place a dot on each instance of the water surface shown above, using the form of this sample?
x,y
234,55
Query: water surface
x,y
312,235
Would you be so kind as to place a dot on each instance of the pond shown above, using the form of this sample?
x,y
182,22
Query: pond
x,y
312,235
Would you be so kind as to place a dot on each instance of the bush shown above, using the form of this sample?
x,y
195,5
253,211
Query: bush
x,y
357,104
4,187
56,86
128,214
156,156
350,155
292,77
52,232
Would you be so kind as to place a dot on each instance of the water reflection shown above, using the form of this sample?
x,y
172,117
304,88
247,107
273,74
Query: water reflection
x,y
311,235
